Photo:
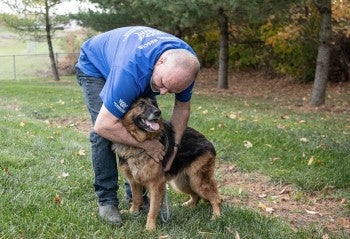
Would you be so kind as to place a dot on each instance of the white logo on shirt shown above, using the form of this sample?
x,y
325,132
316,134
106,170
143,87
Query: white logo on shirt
x,y
121,105
148,33
148,44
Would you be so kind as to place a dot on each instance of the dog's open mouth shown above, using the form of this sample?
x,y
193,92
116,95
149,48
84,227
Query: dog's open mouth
x,y
150,125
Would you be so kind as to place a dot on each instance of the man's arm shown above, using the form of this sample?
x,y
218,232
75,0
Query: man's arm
x,y
179,120
110,127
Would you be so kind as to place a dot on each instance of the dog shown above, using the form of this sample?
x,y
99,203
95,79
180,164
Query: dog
x,y
192,171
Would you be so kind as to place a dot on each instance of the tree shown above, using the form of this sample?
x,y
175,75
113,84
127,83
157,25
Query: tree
x,y
223,55
35,18
323,56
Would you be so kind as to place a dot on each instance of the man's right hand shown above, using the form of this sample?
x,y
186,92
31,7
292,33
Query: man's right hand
x,y
154,149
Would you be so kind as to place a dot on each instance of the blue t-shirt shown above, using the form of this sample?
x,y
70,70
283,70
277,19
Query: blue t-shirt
x,y
125,57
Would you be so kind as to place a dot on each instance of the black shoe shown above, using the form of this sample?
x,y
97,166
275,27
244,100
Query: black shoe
x,y
110,214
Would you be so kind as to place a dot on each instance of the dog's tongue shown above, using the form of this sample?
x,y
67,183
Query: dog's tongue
x,y
153,125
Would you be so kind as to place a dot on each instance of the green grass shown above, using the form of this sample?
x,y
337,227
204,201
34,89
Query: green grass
x,y
36,156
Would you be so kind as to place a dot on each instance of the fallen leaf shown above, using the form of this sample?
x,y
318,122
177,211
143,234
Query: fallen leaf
x,y
61,102
279,126
304,140
325,236
163,236
81,152
263,195
265,208
311,160
344,221
284,190
58,199
311,212
285,199
343,201
232,116
221,126
275,159
269,210
237,235
205,112
262,206
247,144
7,171
22,124
212,129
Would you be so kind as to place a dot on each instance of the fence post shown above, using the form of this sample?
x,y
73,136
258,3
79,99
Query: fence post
x,y
14,66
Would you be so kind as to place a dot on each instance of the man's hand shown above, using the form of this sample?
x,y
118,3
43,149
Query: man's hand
x,y
154,149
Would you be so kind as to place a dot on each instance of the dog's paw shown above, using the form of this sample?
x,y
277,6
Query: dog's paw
x,y
190,203
150,226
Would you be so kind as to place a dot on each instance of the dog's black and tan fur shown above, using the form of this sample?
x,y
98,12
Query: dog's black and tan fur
x,y
192,171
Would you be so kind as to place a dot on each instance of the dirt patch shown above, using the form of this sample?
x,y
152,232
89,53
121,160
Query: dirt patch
x,y
299,208
81,124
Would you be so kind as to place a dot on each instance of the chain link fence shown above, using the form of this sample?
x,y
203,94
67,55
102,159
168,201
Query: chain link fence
x,y
24,66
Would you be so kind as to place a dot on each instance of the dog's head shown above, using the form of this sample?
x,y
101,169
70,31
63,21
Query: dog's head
x,y
143,120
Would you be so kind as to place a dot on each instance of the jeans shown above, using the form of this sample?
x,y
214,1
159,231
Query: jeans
x,y
103,159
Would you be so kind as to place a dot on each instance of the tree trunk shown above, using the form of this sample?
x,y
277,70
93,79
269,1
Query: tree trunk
x,y
318,94
223,55
49,43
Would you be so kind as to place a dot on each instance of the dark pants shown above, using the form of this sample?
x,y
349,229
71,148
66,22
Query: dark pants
x,y
103,159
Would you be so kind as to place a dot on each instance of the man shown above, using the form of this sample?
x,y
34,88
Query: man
x,y
114,69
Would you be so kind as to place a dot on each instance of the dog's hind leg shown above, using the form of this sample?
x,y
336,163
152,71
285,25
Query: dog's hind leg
x,y
157,190
201,180
181,184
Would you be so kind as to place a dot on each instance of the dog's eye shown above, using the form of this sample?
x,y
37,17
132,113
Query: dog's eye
x,y
141,103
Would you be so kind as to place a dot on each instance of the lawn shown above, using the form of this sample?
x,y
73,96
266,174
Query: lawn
x,y
46,177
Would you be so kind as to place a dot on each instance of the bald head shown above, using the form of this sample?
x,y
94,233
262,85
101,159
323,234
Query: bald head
x,y
174,71
182,60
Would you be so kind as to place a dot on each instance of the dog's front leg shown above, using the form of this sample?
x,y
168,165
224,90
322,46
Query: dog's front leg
x,y
157,191
137,199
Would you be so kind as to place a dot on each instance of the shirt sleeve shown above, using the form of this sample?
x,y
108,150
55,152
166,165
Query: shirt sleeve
x,y
119,92
185,95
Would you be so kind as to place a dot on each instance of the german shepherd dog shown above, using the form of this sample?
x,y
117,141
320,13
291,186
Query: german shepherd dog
x,y
192,171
